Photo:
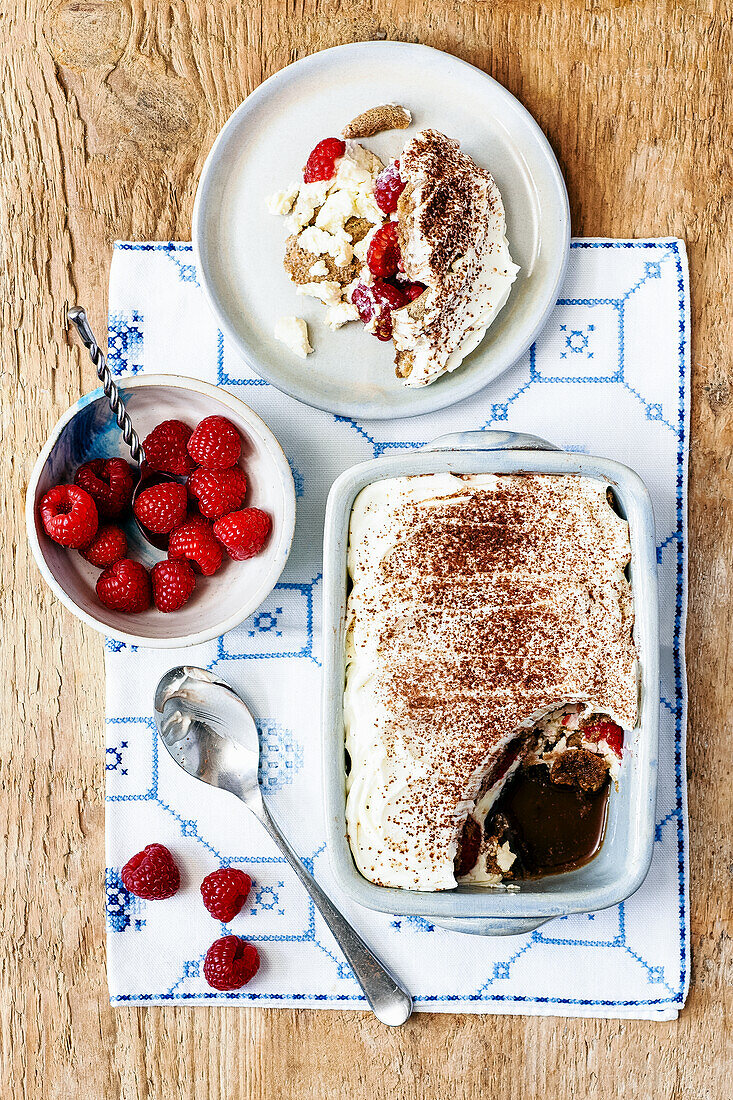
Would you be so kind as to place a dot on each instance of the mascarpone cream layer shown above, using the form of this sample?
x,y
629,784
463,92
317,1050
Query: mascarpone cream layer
x,y
453,239
479,604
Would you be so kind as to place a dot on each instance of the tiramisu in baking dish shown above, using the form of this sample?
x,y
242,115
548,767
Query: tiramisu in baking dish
x,y
416,249
491,672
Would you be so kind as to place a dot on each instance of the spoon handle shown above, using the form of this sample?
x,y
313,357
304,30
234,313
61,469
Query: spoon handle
x,y
389,1001
78,317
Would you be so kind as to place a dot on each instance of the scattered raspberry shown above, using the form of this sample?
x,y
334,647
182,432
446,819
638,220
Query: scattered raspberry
x,y
218,491
125,586
194,541
243,533
230,963
173,583
388,187
160,508
363,301
151,874
215,444
609,732
109,481
165,448
108,546
225,892
69,516
383,254
321,164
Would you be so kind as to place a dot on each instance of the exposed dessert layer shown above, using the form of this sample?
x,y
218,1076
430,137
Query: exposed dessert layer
x,y
452,231
480,604
415,249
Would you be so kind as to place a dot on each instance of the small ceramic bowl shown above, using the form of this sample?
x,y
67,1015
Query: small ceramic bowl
x,y
219,603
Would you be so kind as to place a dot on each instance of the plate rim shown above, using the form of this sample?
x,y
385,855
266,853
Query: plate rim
x,y
440,397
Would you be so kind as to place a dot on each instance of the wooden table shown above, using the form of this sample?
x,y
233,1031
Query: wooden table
x,y
108,110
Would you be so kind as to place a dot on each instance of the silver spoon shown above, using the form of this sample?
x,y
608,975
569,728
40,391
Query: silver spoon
x,y
210,733
145,478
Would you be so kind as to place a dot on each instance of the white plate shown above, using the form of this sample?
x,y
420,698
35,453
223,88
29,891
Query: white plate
x,y
262,148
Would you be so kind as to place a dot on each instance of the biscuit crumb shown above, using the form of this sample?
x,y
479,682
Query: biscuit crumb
x,y
389,116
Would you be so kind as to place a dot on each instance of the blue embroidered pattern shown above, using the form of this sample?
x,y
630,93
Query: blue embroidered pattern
x,y
586,336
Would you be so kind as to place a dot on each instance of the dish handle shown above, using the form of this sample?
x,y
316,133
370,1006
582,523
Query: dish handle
x,y
491,926
490,441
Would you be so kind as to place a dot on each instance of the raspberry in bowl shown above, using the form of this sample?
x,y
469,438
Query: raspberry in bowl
x,y
89,549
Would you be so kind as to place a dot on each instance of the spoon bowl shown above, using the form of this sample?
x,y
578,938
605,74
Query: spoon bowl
x,y
209,732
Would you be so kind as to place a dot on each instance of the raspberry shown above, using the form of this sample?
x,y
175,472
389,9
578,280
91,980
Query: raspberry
x,y
243,533
388,187
321,164
387,295
225,892
173,583
108,546
69,516
151,874
383,254
230,963
160,508
124,586
109,481
383,326
195,542
363,301
218,491
607,731
215,443
165,448
412,290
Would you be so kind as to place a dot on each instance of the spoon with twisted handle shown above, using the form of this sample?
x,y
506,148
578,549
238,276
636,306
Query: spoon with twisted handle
x,y
78,318
209,732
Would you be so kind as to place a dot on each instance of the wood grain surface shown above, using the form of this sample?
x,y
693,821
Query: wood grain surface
x,y
108,108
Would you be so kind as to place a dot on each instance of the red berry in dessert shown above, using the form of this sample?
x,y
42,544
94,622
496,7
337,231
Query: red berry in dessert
x,y
173,582
385,294
218,491
194,541
109,481
215,444
363,301
230,963
243,533
151,874
412,290
388,187
606,731
321,164
125,586
108,546
225,892
383,254
69,516
165,448
160,508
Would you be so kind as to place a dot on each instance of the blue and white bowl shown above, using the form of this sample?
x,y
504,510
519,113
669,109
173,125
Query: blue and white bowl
x,y
87,431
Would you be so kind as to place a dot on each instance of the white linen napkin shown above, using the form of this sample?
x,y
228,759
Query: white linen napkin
x,y
610,376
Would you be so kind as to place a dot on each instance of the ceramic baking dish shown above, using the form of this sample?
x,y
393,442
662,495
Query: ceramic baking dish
x,y
623,861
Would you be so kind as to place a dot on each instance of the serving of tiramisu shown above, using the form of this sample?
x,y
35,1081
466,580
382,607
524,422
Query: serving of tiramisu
x,y
491,673
416,249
